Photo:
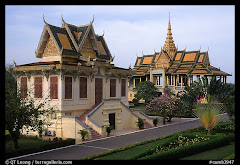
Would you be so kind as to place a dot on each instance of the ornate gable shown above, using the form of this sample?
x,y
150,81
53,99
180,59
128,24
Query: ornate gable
x,y
50,48
87,49
163,60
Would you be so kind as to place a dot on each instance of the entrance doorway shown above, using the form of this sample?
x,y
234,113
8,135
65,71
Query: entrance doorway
x,y
111,118
98,90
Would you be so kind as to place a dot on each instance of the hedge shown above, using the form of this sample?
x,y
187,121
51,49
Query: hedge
x,y
52,145
192,149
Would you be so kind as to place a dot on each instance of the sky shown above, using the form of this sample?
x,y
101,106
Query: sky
x,y
130,31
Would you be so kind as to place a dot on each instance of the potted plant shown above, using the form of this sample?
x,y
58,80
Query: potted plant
x,y
108,130
155,121
83,133
140,123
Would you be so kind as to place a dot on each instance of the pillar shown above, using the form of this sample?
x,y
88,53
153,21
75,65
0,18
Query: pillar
x,y
151,76
181,80
174,80
133,82
209,79
189,82
164,78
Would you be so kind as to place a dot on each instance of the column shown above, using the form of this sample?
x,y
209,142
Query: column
x,y
209,79
140,79
198,77
174,80
189,82
181,81
225,79
151,75
133,82
168,80
164,78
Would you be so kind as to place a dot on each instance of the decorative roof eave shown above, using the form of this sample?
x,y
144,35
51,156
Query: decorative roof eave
x,y
106,46
65,25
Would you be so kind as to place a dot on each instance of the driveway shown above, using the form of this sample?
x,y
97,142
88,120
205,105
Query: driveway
x,y
76,152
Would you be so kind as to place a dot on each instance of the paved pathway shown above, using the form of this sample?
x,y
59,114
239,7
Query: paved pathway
x,y
76,152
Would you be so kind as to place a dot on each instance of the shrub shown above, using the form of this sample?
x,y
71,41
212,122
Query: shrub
x,y
108,130
155,121
135,102
140,123
190,149
83,133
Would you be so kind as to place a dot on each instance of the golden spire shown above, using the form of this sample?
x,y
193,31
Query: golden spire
x,y
169,45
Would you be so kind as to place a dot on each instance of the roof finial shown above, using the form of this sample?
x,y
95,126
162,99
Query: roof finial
x,y
62,17
103,33
208,49
44,19
154,50
136,55
14,62
142,52
169,16
93,19
200,48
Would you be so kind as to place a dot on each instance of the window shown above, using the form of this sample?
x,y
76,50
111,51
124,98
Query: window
x,y
38,87
68,87
54,87
83,87
159,80
112,87
123,88
23,87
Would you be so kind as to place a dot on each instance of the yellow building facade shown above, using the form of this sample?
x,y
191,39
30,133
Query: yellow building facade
x,y
172,67
86,90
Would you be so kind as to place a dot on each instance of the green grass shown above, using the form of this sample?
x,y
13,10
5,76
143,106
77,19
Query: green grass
x,y
214,154
133,151
24,143
130,153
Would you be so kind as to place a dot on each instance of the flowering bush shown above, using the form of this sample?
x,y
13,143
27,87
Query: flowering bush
x,y
179,142
166,106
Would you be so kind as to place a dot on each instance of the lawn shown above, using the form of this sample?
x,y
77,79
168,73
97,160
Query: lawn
x,y
215,154
25,143
130,153
28,145
220,145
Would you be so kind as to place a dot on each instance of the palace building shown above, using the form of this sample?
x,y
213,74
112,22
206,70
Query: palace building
x,y
172,67
86,89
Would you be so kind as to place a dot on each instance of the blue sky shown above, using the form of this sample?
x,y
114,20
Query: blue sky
x,y
129,30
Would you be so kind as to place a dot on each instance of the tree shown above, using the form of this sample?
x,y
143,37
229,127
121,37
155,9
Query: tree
x,y
215,90
21,111
166,106
146,90
209,116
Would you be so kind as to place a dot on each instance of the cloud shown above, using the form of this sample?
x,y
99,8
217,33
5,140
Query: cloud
x,y
129,30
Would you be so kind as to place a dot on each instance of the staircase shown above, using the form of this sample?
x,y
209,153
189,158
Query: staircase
x,y
82,118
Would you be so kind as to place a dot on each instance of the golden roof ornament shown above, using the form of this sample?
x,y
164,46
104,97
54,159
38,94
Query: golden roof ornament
x,y
44,19
103,33
93,19
14,62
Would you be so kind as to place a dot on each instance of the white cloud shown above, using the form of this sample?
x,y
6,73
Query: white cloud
x,y
129,29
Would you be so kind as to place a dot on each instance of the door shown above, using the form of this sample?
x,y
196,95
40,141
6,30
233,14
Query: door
x,y
98,90
111,117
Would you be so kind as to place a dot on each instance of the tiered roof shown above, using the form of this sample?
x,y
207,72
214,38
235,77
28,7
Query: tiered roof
x,y
184,62
178,62
70,39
